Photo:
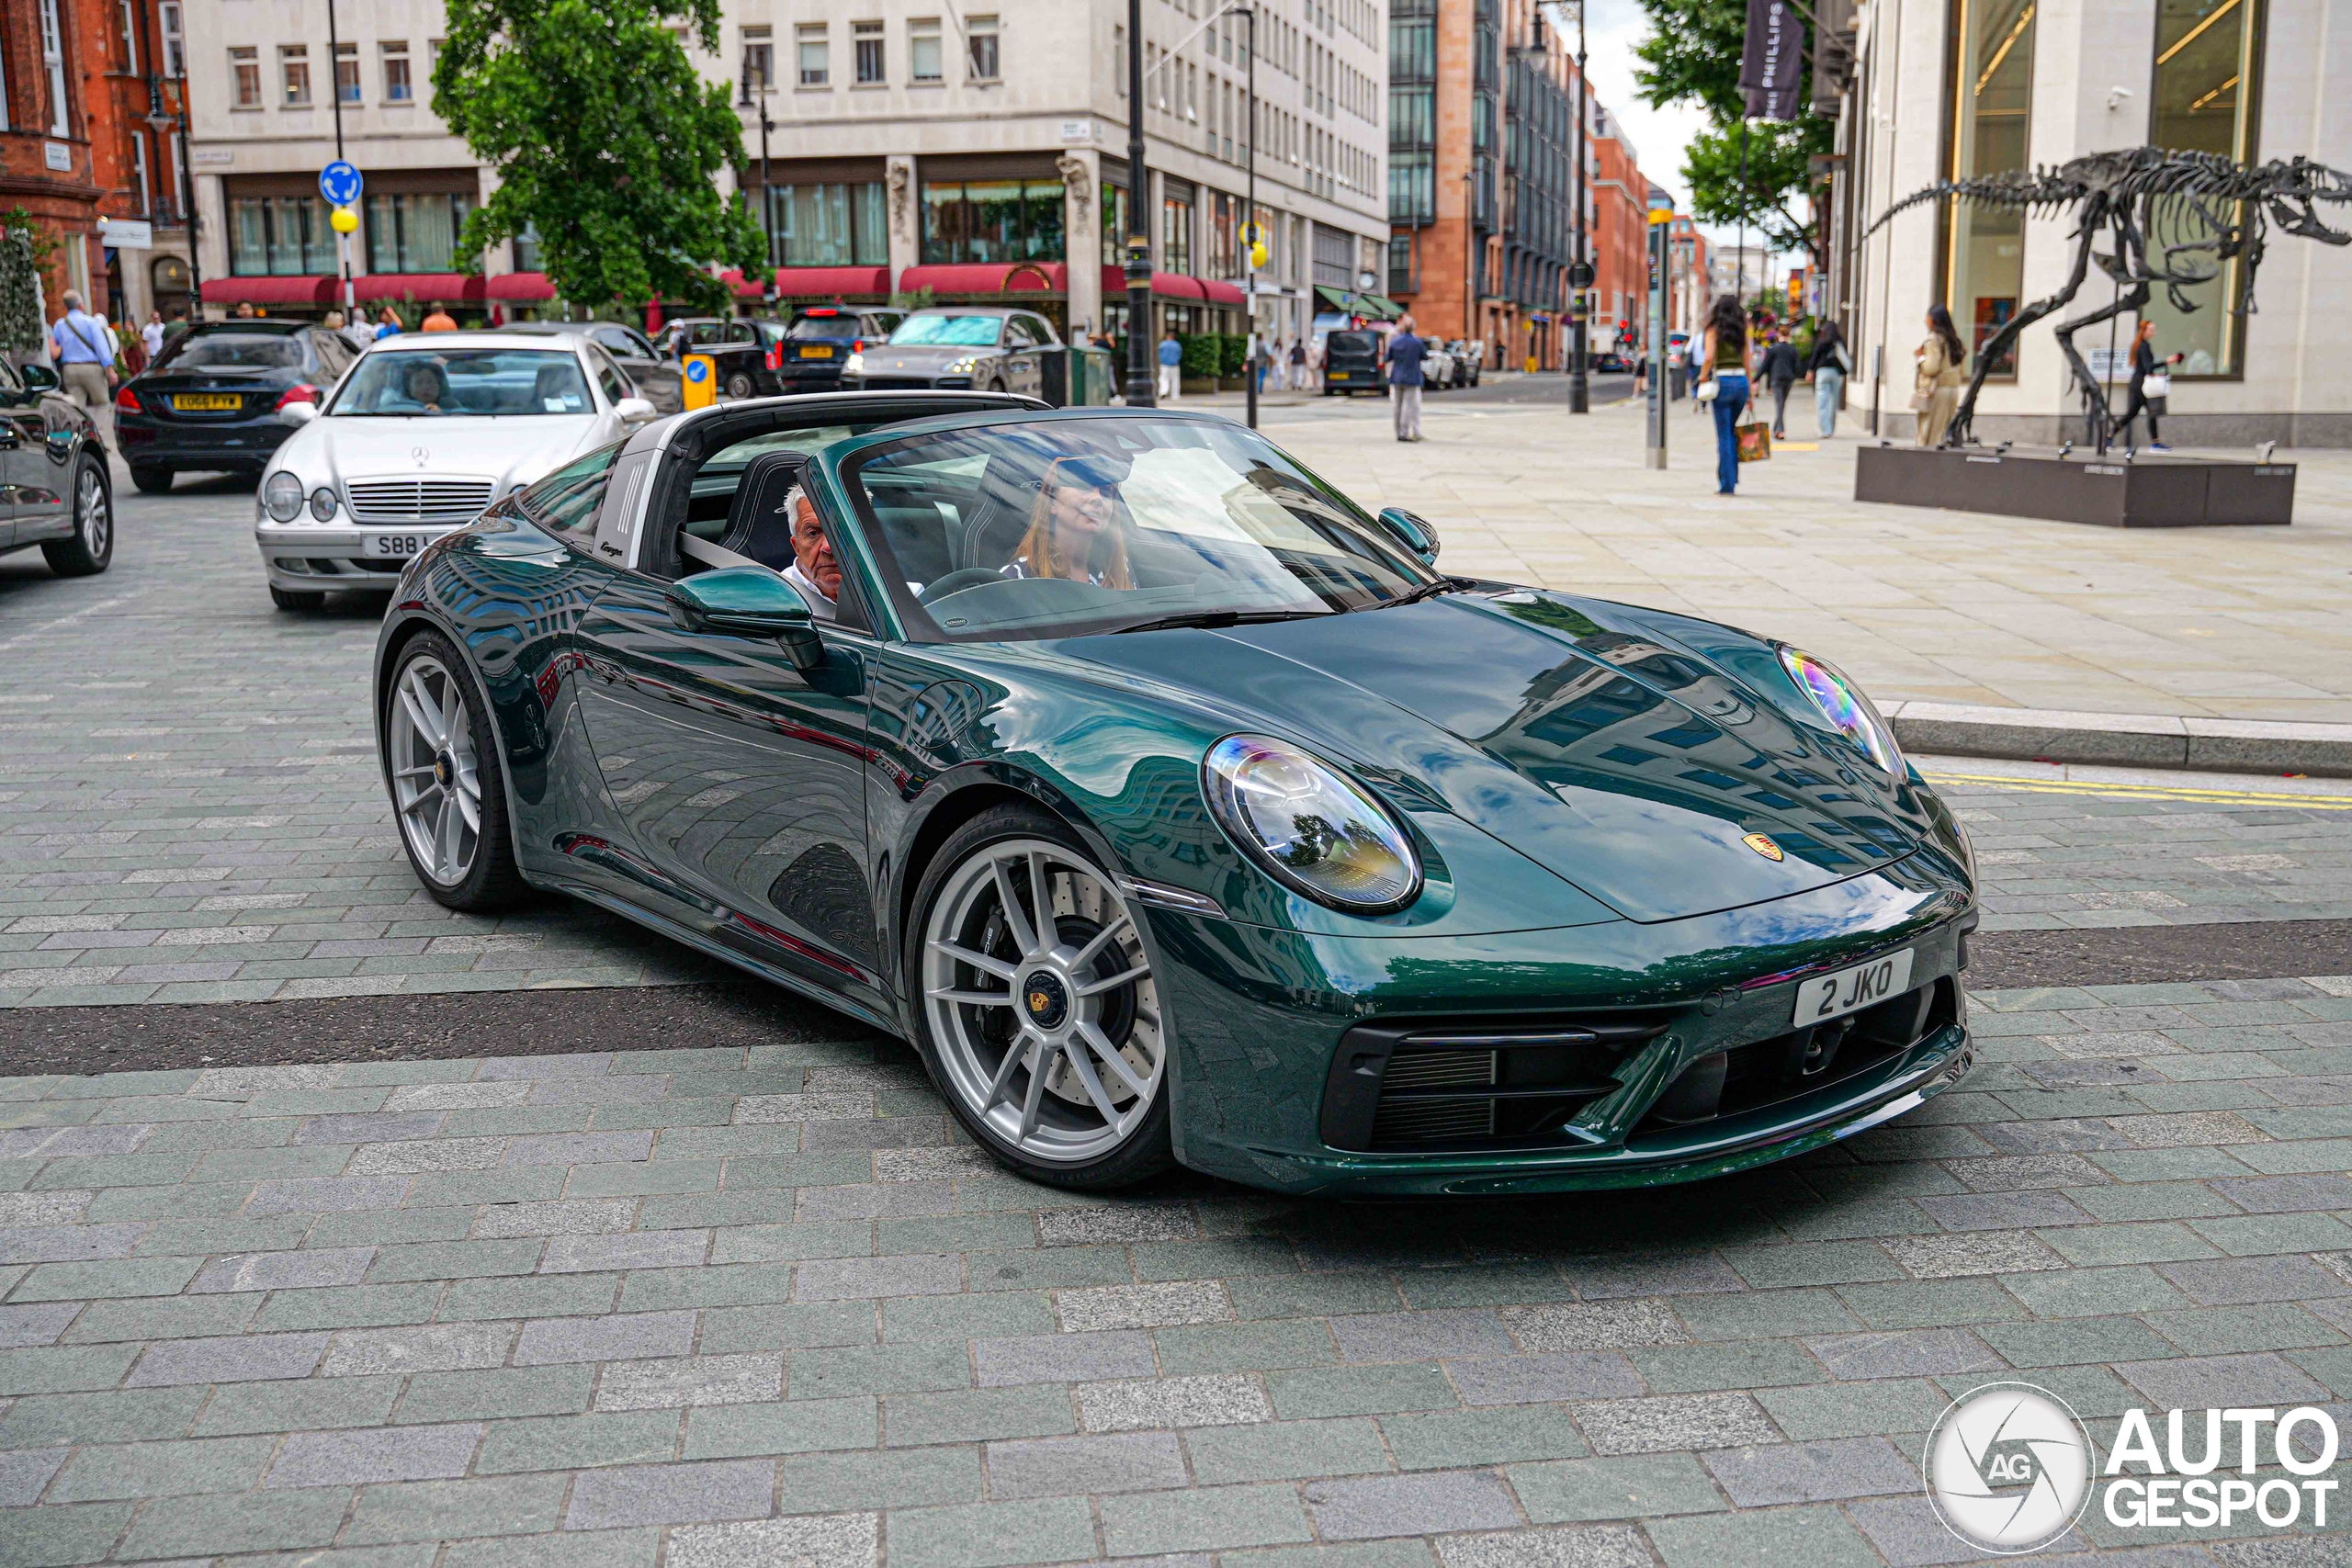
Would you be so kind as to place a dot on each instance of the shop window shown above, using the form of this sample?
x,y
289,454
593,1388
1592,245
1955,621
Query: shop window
x,y
992,220
1176,236
416,233
1991,94
1113,207
2208,100
279,236
829,224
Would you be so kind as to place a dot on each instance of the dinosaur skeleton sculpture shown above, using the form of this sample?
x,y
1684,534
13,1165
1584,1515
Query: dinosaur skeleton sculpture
x,y
2197,210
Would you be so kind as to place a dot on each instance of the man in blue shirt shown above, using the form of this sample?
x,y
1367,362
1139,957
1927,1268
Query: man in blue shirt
x,y
84,355
1405,351
1171,367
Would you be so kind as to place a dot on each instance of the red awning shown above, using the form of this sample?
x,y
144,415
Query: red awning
x,y
269,290
1167,285
992,277
832,282
456,287
1217,293
531,287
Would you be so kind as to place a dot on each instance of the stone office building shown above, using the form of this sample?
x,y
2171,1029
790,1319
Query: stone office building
x,y
1944,88
910,148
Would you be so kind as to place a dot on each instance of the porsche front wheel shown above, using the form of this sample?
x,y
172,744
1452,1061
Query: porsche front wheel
x,y
441,757
1037,1006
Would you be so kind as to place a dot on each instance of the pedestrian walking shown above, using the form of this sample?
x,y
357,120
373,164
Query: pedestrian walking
x,y
1298,365
1827,369
387,324
1405,351
85,347
1722,386
1171,368
439,321
1780,370
150,336
2151,384
1935,392
1260,358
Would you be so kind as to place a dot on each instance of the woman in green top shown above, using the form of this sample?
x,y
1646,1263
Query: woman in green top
x,y
1724,355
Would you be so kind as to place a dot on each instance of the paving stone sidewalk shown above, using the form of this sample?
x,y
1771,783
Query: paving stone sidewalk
x,y
704,1308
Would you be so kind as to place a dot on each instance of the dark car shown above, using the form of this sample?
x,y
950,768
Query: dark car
x,y
989,348
1351,363
53,468
807,356
655,374
216,399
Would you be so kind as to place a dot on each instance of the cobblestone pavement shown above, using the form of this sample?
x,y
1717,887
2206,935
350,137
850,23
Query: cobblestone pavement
x,y
697,1308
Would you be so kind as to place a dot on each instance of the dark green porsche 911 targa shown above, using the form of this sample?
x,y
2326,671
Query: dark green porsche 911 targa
x,y
1177,809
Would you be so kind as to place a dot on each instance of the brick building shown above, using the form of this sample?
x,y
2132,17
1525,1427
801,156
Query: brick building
x,y
89,146
1483,142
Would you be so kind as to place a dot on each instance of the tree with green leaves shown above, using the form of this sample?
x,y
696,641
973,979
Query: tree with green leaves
x,y
1692,56
608,145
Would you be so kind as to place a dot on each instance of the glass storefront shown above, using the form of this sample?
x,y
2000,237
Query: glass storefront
x,y
1991,94
416,233
279,236
829,224
2208,100
992,220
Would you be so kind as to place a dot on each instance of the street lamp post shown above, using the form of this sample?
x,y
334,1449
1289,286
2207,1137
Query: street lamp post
x,y
335,90
767,216
1138,268
1580,274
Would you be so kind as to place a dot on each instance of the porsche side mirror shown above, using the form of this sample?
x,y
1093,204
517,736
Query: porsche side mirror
x,y
633,410
748,601
1414,532
38,379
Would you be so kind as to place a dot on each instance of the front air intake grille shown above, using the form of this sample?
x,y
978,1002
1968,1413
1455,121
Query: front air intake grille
x,y
418,501
1449,1084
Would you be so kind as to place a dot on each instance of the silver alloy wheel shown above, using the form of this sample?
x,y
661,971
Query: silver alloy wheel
x,y
437,780
92,516
1049,1030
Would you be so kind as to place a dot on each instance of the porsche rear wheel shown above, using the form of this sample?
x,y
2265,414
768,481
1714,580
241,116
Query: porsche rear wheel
x,y
441,759
1038,1010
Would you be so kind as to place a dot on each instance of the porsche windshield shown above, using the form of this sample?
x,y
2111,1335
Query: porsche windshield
x,y
1065,528
417,383
953,331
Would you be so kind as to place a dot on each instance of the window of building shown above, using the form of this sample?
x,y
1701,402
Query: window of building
x,y
1991,94
174,39
980,58
294,74
1115,224
346,72
1402,254
129,37
416,233
1175,235
759,59
279,236
5,124
812,54
2208,100
1412,189
829,224
526,250
924,62
992,220
398,87
52,59
867,42
138,169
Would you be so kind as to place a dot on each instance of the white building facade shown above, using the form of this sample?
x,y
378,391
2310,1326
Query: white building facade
x,y
1949,88
910,147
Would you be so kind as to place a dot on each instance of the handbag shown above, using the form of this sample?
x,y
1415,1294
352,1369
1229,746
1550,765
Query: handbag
x,y
1921,400
2156,384
1708,389
1755,442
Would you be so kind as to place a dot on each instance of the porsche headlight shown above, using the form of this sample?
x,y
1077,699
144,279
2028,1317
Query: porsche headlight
x,y
1311,828
1842,703
963,367
854,364
282,497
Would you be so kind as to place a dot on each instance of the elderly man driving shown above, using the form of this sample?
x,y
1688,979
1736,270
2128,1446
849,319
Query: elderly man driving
x,y
813,571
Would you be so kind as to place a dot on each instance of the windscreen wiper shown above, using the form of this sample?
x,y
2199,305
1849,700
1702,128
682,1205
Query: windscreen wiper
x,y
1219,618
1443,585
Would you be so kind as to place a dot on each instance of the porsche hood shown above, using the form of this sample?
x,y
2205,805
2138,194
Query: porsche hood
x,y
1623,763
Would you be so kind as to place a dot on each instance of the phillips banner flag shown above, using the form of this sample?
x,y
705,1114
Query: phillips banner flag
x,y
1771,58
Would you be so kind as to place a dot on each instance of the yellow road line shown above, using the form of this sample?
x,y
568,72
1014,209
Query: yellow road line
x,y
2150,791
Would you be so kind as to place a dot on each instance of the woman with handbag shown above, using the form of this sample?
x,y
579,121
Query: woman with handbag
x,y
2151,384
1723,385
1934,393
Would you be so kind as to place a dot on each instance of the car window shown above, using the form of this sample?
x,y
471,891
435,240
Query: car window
x,y
1353,342
608,377
335,354
1017,333
621,340
823,324
565,501
8,381
953,331
232,351
1040,330
1045,528
411,383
